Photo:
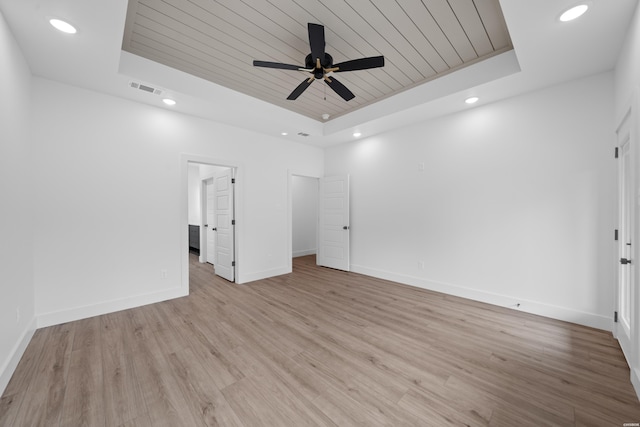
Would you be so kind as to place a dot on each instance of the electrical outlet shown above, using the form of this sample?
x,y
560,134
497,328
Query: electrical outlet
x,y
421,265
163,274
17,314
421,166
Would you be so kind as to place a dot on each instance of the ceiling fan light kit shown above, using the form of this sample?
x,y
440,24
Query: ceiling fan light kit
x,y
319,64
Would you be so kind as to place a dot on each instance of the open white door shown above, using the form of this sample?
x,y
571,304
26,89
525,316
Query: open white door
x,y
333,230
625,298
225,225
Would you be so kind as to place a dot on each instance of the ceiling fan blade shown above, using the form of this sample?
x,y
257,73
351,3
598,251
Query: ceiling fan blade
x,y
339,88
279,65
359,64
301,88
316,41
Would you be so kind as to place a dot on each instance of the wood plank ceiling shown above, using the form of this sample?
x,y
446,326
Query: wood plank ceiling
x,y
217,40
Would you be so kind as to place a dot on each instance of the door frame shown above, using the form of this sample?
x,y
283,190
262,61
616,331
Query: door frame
x,y
290,174
185,159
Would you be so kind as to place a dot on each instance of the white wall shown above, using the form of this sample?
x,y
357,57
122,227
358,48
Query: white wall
x,y
515,203
110,229
627,72
194,209
304,215
16,216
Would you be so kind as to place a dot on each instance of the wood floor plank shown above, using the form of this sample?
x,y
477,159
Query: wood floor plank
x,y
427,405
84,395
201,393
123,400
347,407
17,388
43,402
165,403
319,347
141,421
265,402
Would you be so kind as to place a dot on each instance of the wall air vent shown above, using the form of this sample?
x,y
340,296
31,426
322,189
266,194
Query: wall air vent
x,y
303,134
145,88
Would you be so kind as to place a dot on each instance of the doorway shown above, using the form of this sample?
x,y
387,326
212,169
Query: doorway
x,y
211,205
333,223
304,216
303,191
330,215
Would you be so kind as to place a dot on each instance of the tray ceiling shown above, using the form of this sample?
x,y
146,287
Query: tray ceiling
x,y
218,40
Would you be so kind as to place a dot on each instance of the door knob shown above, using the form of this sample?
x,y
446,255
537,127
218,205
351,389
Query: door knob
x,y
346,227
624,261
206,225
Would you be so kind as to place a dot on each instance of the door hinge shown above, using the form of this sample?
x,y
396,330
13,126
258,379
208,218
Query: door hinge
x,y
233,180
233,263
233,222
615,234
615,317
616,153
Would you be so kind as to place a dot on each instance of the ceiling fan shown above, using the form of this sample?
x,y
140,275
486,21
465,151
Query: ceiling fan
x,y
320,64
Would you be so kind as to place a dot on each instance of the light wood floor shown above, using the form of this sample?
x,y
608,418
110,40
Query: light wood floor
x,y
319,347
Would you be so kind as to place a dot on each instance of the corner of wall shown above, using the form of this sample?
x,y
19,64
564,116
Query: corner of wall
x,y
9,366
17,288
77,313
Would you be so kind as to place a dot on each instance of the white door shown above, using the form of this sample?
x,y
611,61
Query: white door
x,y
210,222
333,235
225,225
625,298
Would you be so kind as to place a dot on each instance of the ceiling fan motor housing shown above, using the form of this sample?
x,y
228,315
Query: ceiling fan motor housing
x,y
310,63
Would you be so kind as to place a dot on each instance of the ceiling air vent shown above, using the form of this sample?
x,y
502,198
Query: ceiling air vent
x,y
303,134
145,88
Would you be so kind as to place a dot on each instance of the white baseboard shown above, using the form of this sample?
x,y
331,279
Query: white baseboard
x,y
304,252
265,274
58,317
635,380
533,307
9,366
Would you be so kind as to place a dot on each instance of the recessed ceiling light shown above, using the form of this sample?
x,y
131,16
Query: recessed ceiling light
x,y
574,12
472,100
63,26
169,101
284,134
357,134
